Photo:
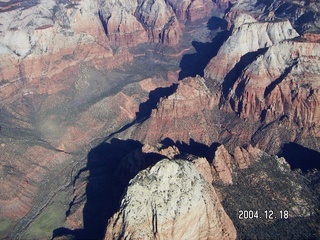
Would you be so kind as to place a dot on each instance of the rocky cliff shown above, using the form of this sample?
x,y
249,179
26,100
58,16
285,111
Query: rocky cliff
x,y
60,79
265,73
192,10
182,115
170,200
288,97
133,22
268,183
89,97
288,88
247,38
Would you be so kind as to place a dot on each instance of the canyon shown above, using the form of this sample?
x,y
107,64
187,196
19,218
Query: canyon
x,y
159,119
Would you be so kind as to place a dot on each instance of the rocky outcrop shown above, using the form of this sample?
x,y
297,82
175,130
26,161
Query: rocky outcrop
x,y
203,168
162,201
304,14
248,37
60,94
222,165
133,22
192,10
41,46
288,87
242,157
269,80
182,115
269,183
59,97
41,50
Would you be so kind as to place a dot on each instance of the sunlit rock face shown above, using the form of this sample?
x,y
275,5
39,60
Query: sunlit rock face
x,y
287,85
247,38
182,115
270,79
170,200
74,73
42,44
58,93
132,22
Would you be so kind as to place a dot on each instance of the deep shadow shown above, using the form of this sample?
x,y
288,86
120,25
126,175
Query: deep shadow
x,y
263,115
103,23
104,189
300,157
110,167
105,186
289,11
195,63
146,107
193,148
277,81
16,4
233,75
216,23
304,19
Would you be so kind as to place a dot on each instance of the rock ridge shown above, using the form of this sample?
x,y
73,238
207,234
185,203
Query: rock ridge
x,y
170,200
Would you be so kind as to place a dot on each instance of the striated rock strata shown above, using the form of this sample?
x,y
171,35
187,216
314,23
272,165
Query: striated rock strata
x,y
288,86
182,115
247,38
133,22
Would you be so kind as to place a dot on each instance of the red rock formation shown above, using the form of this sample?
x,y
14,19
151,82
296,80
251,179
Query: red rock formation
x,y
192,10
242,157
222,165
128,23
52,58
42,60
311,37
170,152
51,53
288,88
247,37
181,116
204,169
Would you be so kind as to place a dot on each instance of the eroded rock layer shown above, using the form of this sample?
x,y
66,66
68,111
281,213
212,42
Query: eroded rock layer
x,y
62,90
75,73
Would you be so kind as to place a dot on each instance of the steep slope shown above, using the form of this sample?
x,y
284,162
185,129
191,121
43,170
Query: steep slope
x,y
248,37
65,84
183,115
269,81
74,73
170,200
268,188
288,85
192,10
133,22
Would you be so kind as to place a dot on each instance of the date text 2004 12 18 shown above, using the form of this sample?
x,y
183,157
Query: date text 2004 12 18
x,y
266,214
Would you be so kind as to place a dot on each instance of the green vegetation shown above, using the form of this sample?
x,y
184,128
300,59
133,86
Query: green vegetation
x,y
5,225
51,218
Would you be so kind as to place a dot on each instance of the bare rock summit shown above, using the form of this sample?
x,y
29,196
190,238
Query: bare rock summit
x,y
170,200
